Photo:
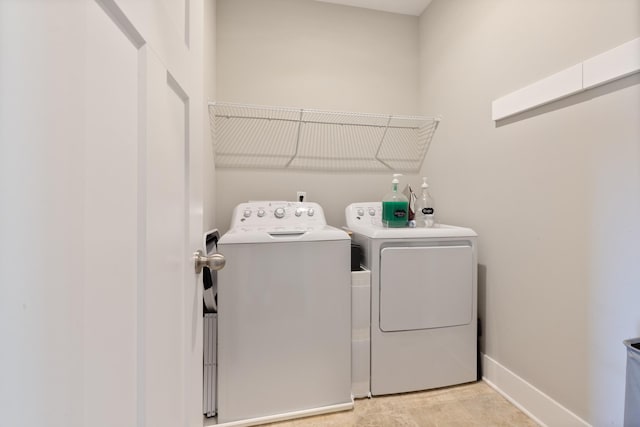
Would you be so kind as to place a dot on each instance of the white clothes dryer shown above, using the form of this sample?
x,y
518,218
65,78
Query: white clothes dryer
x,y
423,302
284,314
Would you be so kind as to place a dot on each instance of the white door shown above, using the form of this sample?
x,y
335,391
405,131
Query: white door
x,y
101,115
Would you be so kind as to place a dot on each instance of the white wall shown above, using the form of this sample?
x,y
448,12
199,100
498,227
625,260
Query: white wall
x,y
302,53
554,193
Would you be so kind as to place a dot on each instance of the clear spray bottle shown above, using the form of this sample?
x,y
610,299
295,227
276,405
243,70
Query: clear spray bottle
x,y
425,209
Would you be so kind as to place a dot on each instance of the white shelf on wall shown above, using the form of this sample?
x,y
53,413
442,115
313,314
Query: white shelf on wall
x,y
614,64
252,136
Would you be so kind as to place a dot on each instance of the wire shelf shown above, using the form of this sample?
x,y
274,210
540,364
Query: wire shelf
x,y
252,136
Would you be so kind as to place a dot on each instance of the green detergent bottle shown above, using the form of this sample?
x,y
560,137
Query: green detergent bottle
x,y
395,206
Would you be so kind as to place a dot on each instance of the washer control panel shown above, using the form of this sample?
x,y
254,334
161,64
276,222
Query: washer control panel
x,y
278,215
366,213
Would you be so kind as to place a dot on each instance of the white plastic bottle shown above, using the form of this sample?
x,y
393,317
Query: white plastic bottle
x,y
425,209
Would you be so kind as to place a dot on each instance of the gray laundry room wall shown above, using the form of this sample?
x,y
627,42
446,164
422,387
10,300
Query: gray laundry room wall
x,y
554,194
307,54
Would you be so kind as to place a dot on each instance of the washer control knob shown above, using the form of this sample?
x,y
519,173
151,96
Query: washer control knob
x,y
360,211
260,213
310,212
247,213
298,212
279,212
372,212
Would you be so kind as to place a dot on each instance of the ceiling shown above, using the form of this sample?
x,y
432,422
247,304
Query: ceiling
x,y
405,7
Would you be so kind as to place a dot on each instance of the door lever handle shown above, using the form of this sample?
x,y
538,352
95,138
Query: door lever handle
x,y
214,261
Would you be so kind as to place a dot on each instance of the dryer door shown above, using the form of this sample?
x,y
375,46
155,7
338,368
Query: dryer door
x,y
425,287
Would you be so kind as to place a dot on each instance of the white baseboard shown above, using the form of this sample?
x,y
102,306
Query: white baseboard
x,y
533,402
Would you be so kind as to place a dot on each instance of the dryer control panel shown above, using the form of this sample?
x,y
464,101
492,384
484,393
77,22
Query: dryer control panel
x,y
278,215
366,213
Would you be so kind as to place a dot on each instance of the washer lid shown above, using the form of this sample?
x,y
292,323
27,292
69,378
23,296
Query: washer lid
x,y
282,234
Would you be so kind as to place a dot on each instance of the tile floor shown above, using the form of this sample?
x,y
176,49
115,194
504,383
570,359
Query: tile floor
x,y
468,405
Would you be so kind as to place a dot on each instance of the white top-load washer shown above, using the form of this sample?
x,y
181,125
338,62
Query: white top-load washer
x,y
284,314
423,302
